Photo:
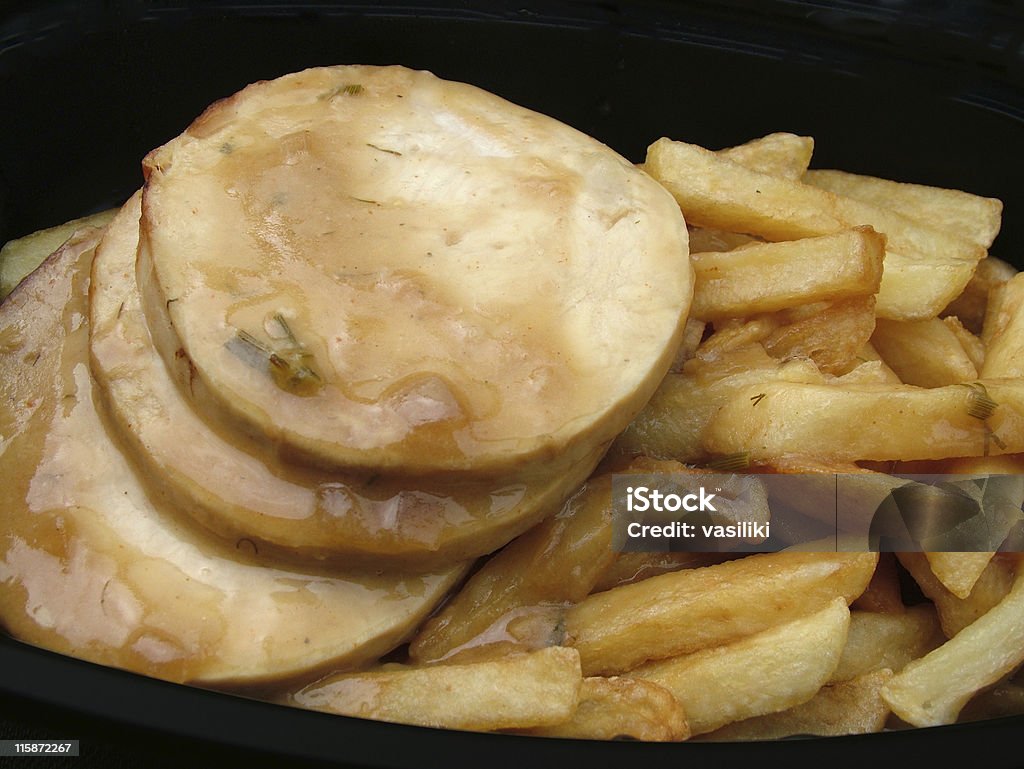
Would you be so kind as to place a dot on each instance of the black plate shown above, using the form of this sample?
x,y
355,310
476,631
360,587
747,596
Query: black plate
x,y
900,89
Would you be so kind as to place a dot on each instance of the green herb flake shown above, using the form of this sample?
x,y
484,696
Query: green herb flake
x,y
728,463
291,367
384,149
348,89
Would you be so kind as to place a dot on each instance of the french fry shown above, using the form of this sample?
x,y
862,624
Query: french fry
x,y
769,671
881,373
518,691
972,344
972,216
777,154
876,640
774,418
1003,301
1004,351
831,335
926,353
917,288
972,303
685,611
617,708
673,422
925,268
713,191
932,690
848,707
958,572
955,614
557,562
773,276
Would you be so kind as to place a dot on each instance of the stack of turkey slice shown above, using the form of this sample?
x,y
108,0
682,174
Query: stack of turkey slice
x,y
360,326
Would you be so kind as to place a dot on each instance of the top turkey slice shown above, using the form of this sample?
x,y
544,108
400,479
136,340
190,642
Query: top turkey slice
x,y
372,268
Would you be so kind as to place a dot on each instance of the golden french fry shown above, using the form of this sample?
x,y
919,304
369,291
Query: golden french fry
x,y
955,613
20,256
888,640
714,191
832,335
874,367
673,422
521,588
918,287
518,691
972,303
684,611
1004,349
925,268
769,671
847,707
926,353
972,344
972,216
778,154
768,277
617,708
932,690
958,572
845,424
1003,301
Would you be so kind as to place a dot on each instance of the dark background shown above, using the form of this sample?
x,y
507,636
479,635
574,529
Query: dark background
x,y
929,92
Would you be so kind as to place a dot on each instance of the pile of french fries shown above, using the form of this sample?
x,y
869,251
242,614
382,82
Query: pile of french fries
x,y
840,324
